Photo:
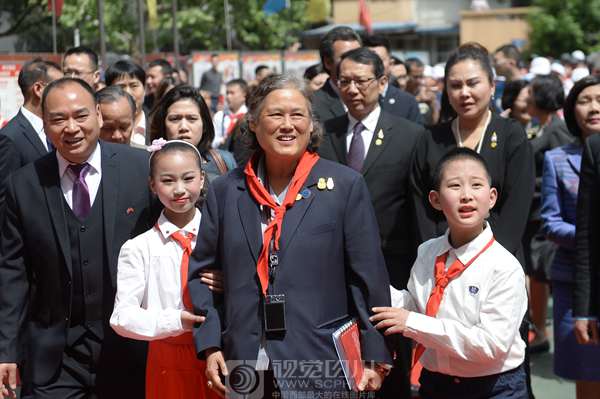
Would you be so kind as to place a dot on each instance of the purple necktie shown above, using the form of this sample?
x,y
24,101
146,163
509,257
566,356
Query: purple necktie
x,y
81,194
356,154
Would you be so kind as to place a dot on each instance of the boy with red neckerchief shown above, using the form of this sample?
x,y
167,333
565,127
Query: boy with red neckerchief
x,y
466,296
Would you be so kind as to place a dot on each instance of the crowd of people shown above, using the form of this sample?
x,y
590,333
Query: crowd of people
x,y
153,233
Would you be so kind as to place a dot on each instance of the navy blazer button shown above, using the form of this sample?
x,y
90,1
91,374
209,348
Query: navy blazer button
x,y
82,229
85,262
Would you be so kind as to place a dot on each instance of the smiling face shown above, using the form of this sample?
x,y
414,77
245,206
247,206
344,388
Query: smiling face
x,y
72,121
283,126
587,111
177,181
469,89
184,122
465,197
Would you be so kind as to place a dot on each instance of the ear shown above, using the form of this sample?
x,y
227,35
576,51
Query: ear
x,y
434,200
96,77
252,124
99,113
382,82
493,197
38,89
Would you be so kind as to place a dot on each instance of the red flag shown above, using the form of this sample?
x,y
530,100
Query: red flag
x,y
59,5
364,16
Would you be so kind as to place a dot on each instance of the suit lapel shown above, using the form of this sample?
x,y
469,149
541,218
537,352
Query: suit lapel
x,y
574,160
336,106
374,149
338,139
31,135
295,214
110,198
250,218
56,205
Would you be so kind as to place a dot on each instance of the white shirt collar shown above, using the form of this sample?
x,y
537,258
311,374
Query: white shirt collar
x,y
243,109
385,89
369,122
167,228
36,121
466,252
95,161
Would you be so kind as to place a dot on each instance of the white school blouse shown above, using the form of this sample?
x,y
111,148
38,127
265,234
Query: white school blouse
x,y
476,330
148,303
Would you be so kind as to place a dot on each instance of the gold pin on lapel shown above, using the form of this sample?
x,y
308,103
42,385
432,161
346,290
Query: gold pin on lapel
x,y
298,197
380,134
378,142
330,184
321,184
494,140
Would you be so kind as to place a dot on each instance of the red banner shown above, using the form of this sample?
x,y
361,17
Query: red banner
x,y
364,16
59,5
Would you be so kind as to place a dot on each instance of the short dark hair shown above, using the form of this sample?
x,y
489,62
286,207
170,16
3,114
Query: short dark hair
x,y
571,101
111,94
339,33
511,92
164,65
259,69
56,84
124,68
239,82
256,101
510,51
397,61
376,41
469,51
183,92
547,92
84,50
312,71
364,56
413,62
34,71
457,153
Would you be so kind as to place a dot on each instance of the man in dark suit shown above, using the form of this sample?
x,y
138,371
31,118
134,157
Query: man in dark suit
x,y
379,146
67,215
586,299
393,100
26,129
326,101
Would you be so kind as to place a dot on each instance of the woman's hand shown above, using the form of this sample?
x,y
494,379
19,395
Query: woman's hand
x,y
213,279
586,331
215,367
189,319
393,320
371,380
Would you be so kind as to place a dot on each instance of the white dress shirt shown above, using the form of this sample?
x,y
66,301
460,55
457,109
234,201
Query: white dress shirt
x,y
138,135
369,123
38,125
148,303
92,178
221,122
476,330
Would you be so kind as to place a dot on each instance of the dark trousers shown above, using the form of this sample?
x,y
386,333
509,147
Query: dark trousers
x,y
508,385
76,377
397,384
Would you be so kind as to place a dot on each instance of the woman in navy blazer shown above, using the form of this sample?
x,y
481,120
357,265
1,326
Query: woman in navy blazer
x,y
326,264
560,184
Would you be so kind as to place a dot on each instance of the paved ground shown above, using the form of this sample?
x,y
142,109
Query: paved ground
x,y
546,385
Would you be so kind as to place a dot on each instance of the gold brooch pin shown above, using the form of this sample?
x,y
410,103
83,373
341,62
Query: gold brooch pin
x,y
330,184
321,184
298,197
380,134
494,140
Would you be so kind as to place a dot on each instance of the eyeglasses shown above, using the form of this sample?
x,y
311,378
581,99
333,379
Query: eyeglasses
x,y
75,73
361,84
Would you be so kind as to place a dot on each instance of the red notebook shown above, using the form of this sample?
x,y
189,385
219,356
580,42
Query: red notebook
x,y
347,344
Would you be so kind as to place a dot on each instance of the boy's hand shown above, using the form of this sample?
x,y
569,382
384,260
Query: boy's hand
x,y
393,320
189,319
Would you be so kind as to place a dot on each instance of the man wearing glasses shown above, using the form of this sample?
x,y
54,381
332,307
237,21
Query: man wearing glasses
x,y
378,145
82,62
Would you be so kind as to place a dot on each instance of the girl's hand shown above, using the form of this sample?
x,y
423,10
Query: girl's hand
x,y
189,319
393,320
213,279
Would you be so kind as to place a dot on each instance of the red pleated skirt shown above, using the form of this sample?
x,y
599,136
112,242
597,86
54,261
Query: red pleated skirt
x,y
174,372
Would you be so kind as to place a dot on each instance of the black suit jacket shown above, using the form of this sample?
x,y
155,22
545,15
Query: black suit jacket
x,y
9,161
35,263
510,161
401,104
330,269
386,171
25,140
326,103
586,299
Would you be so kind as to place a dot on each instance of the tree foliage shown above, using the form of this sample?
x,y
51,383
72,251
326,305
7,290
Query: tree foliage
x,y
200,24
559,26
